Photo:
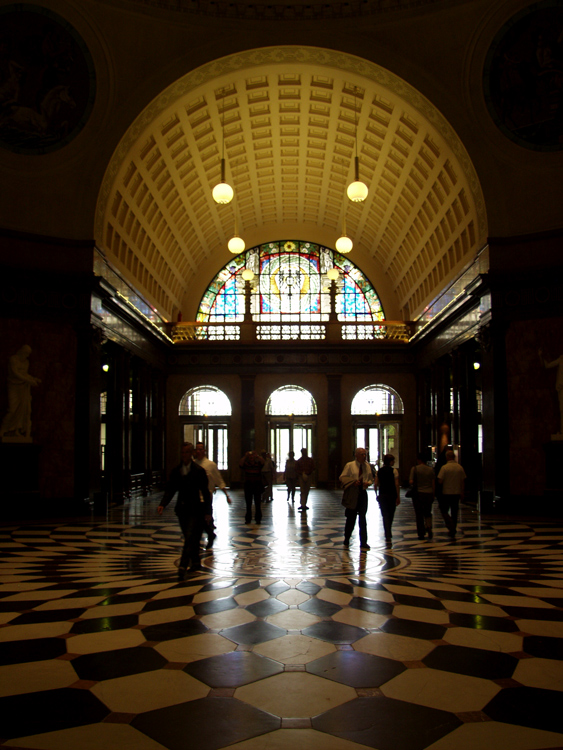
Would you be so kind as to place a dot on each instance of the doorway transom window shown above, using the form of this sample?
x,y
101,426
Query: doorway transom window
x,y
205,413
205,400
377,399
291,400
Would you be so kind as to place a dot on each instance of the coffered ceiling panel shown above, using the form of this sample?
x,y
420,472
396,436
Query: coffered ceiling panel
x,y
289,122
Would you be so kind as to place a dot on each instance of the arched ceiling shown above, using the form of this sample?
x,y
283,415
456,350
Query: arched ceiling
x,y
288,118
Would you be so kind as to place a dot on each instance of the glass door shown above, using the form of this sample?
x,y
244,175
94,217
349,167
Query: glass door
x,y
389,440
379,439
286,437
215,437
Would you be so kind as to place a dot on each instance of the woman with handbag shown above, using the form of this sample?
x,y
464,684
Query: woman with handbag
x,y
356,477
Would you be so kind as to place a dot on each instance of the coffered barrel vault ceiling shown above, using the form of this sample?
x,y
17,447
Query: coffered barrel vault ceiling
x,y
289,117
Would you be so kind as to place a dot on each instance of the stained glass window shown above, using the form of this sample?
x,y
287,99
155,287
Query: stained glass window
x,y
290,285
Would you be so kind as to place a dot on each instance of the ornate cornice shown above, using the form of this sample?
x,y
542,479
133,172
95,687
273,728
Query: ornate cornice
x,y
298,10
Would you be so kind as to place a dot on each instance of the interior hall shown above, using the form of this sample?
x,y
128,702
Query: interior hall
x,y
292,228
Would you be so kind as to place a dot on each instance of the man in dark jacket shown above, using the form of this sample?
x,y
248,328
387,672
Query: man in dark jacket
x,y
193,506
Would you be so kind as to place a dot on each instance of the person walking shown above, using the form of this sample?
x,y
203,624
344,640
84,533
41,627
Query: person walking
x,y
423,483
290,476
389,493
452,481
305,469
215,480
193,507
251,464
356,477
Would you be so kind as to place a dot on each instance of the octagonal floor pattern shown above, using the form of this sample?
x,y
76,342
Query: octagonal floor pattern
x,y
285,638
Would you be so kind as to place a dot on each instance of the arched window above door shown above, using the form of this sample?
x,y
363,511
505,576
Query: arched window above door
x,y
290,285
291,400
205,401
377,399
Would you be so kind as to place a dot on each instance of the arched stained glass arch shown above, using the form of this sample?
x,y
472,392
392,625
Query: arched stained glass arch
x,y
205,401
377,399
290,285
291,400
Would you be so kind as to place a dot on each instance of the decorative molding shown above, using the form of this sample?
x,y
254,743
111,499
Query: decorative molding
x,y
297,10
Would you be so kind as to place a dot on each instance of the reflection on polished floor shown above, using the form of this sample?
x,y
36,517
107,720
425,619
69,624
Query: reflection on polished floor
x,y
285,639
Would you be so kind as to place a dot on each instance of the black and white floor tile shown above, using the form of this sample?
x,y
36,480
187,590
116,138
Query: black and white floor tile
x,y
285,638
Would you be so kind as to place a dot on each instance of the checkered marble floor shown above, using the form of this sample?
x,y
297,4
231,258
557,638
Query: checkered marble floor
x,y
285,639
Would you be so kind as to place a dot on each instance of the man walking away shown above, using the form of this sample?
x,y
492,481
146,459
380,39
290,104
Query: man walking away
x,y
452,480
423,482
305,469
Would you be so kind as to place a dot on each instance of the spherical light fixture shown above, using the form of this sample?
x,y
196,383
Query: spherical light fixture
x,y
357,191
333,274
344,244
222,192
236,244
247,274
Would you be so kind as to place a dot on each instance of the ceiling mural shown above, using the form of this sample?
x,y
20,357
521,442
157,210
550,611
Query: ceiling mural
x,y
289,121
47,80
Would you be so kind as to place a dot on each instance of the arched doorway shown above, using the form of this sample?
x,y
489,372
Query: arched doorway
x,y
205,414
377,416
291,413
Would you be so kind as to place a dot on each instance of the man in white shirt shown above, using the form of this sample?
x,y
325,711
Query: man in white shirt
x,y
452,479
214,479
359,474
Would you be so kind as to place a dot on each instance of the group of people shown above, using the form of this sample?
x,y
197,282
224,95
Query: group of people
x,y
358,475
259,473
196,478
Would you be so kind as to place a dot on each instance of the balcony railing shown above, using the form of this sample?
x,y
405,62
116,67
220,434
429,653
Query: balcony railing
x,y
334,331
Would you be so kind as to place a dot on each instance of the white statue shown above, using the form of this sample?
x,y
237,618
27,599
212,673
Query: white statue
x,y
18,419
558,383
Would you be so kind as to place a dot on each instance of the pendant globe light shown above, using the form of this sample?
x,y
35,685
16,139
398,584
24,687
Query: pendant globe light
x,y
222,192
236,244
344,244
357,191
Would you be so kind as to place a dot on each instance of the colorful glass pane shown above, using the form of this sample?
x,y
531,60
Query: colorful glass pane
x,y
290,286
